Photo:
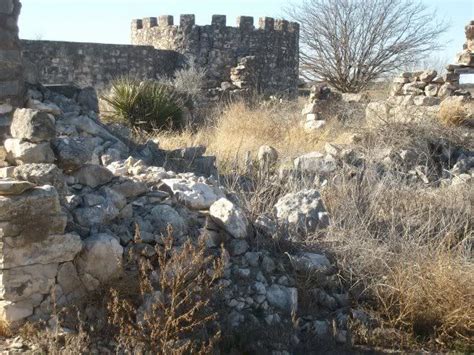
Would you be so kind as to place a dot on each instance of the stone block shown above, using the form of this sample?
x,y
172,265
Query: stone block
x,y
22,152
219,20
16,251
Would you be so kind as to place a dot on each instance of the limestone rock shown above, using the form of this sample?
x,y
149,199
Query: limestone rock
x,y
22,152
32,125
23,282
431,90
93,175
230,217
15,311
267,156
309,262
12,187
164,216
195,195
52,249
100,259
238,247
426,101
303,211
71,153
41,174
428,75
313,125
315,162
44,107
283,298
69,280
32,216
88,99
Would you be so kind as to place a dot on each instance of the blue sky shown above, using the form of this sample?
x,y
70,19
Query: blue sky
x,y
108,21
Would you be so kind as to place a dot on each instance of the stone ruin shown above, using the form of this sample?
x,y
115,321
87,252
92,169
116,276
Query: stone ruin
x,y
264,59
73,191
428,88
240,59
11,82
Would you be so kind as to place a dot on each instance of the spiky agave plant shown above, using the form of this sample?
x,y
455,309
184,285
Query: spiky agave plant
x,y
147,105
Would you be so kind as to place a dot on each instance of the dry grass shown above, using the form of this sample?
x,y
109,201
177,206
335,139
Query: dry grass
x,y
5,329
240,129
406,251
453,112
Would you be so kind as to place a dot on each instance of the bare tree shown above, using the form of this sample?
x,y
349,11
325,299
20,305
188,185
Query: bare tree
x,y
349,43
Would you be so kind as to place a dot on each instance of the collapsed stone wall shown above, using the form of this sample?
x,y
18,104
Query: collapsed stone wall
x,y
466,57
93,64
10,56
428,86
273,48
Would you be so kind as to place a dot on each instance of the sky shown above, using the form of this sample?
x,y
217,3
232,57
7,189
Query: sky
x,y
108,21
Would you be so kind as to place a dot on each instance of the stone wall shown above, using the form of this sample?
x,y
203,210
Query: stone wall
x,y
10,55
93,64
220,48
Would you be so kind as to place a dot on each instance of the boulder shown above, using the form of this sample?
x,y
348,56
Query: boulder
x,y
87,98
49,108
238,247
313,125
309,262
32,125
164,216
69,281
100,260
13,312
426,101
93,175
71,153
303,211
195,195
282,297
41,174
315,162
428,75
12,187
22,152
230,217
267,156
431,90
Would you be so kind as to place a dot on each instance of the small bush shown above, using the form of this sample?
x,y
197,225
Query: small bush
x,y
148,105
189,80
178,317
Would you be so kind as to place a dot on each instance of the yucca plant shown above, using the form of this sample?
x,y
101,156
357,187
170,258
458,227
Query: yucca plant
x,y
148,105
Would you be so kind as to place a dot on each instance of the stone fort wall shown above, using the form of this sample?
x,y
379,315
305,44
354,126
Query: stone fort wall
x,y
10,54
273,48
93,64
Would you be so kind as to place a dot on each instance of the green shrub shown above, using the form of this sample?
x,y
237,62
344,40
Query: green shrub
x,y
148,105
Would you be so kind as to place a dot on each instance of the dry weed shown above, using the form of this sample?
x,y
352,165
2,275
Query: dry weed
x,y
405,249
239,129
453,113
178,318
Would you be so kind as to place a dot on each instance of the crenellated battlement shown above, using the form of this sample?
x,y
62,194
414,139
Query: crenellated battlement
x,y
273,45
245,23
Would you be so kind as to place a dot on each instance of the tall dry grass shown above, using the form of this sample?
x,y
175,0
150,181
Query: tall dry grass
x,y
238,129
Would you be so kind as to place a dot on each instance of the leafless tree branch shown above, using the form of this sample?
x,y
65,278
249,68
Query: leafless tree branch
x,y
349,43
